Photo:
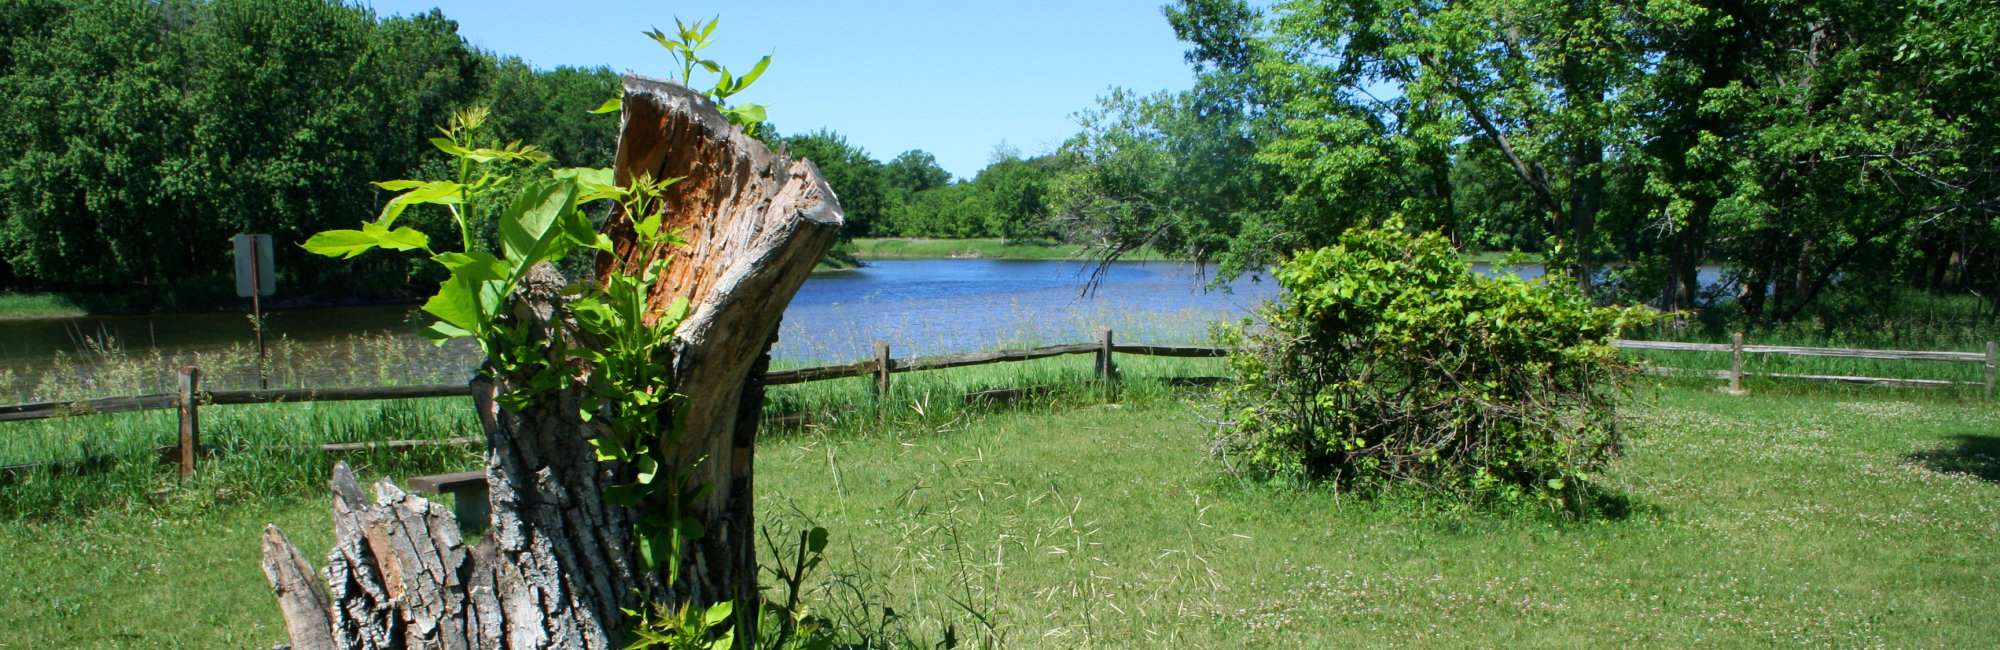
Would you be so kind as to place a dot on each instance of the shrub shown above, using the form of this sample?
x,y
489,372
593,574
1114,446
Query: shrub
x,y
1387,360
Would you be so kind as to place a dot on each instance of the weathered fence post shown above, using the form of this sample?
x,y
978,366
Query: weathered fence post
x,y
1992,360
1107,370
882,369
190,409
1736,363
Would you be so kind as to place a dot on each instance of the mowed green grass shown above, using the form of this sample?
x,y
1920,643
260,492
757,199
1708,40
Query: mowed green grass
x,y
1779,518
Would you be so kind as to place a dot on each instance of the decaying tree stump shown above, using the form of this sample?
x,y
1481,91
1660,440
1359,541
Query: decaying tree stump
x,y
559,561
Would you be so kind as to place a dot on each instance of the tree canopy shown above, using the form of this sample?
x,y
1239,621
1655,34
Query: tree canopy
x,y
1794,142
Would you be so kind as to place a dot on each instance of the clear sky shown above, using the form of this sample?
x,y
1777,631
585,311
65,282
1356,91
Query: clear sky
x,y
952,78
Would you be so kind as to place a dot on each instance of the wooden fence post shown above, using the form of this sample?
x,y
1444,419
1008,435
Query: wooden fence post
x,y
190,409
882,369
1107,369
1992,360
1736,363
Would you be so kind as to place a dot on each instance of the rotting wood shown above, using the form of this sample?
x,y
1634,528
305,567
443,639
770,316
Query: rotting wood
x,y
981,358
1872,381
1673,346
1992,367
1106,366
559,565
1736,363
1173,351
190,416
885,365
1894,355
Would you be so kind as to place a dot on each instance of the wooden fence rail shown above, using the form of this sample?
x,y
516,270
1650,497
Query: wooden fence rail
x,y
189,399
1990,359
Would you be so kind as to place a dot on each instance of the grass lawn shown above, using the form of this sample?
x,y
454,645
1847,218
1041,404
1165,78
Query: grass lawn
x,y
24,306
1819,518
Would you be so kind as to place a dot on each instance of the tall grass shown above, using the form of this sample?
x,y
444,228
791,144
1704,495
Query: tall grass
x,y
72,466
1917,321
103,367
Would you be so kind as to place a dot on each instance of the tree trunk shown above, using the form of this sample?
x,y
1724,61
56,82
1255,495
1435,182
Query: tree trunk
x,y
559,562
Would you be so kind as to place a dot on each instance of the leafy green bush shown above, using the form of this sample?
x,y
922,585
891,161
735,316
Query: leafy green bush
x,y
1387,359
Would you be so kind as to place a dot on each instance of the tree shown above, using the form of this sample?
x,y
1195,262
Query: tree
x,y
540,107
1174,172
1792,141
256,116
857,178
914,171
618,459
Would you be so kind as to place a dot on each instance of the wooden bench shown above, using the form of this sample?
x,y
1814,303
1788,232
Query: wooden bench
x,y
469,501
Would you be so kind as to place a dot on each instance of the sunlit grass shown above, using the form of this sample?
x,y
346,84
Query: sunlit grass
x,y
38,305
1780,518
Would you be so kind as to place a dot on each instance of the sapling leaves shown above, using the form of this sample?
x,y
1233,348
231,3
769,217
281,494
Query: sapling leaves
x,y
457,304
530,229
348,244
340,243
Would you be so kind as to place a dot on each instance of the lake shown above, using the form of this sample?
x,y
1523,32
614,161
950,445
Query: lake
x,y
920,307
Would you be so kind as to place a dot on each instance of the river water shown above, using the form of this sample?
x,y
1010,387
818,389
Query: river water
x,y
919,307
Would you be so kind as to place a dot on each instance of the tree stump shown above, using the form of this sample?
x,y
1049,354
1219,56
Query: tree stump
x,y
559,562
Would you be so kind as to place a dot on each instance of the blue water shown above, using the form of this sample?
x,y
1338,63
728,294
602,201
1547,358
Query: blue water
x,y
944,306
919,307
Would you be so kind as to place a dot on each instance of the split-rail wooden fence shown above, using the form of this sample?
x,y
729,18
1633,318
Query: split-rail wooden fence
x,y
190,398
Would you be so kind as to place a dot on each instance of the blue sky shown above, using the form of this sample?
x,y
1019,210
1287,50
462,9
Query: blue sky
x,y
955,79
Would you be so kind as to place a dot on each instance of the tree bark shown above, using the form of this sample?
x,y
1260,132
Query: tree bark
x,y
560,562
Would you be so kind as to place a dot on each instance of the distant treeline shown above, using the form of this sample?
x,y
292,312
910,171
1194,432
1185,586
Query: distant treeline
x,y
142,135
1832,157
911,196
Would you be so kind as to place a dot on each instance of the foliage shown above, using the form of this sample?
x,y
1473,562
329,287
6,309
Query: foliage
x,y
685,47
1794,143
1171,172
144,135
859,180
1388,359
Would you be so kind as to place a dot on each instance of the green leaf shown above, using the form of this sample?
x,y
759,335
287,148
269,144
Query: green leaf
x,y
528,229
816,539
449,147
457,303
398,186
649,469
755,72
442,331
609,106
340,243
433,192
717,613
595,183
475,266
675,312
746,115
401,239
